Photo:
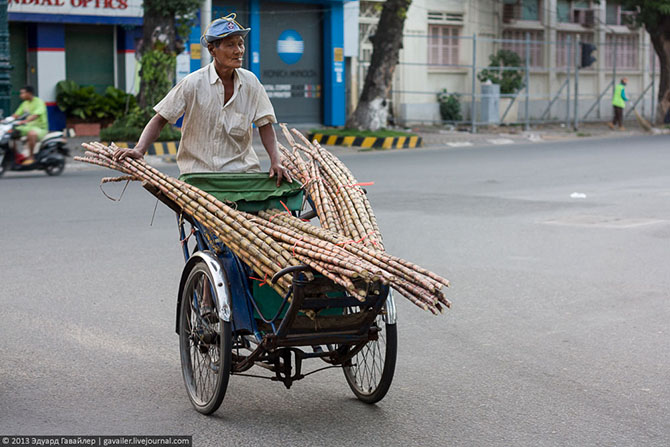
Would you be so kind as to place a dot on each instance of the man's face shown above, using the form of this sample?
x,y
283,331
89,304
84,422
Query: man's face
x,y
24,95
229,53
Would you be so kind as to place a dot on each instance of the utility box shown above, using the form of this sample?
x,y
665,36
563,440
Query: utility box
x,y
490,104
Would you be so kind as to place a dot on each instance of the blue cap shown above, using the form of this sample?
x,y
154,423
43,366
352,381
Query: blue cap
x,y
223,27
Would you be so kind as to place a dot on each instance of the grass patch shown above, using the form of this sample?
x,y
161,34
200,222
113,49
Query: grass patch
x,y
382,133
583,134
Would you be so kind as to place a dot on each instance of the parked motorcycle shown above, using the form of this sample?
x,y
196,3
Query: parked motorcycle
x,y
50,151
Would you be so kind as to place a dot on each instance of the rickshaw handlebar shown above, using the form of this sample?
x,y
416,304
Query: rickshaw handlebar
x,y
291,269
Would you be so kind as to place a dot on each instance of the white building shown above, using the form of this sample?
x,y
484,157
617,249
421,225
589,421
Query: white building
x,y
438,53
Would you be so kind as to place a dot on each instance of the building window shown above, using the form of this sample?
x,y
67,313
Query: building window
x,y
521,10
619,15
443,44
626,48
515,40
576,11
562,48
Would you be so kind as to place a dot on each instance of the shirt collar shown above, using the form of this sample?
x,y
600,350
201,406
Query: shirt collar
x,y
214,76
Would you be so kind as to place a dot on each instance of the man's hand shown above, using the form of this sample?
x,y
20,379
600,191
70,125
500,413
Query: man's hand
x,y
120,153
279,171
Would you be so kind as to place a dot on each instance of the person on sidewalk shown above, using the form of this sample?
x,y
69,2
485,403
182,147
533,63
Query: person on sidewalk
x,y
619,102
35,125
219,102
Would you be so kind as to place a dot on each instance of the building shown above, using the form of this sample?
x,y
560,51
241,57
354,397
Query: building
x,y
443,39
295,48
91,42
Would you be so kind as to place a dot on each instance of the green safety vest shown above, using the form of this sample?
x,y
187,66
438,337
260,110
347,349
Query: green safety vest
x,y
617,100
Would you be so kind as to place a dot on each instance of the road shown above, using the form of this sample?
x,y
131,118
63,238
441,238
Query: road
x,y
558,335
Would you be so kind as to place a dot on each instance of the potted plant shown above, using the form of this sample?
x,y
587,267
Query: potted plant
x,y
450,107
505,69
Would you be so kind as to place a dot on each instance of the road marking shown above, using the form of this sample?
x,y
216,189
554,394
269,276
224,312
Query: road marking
x,y
500,141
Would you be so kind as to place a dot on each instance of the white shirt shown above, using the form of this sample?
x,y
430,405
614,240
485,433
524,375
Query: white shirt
x,y
217,137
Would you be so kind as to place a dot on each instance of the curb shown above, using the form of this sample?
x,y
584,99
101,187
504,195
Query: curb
x,y
159,148
367,142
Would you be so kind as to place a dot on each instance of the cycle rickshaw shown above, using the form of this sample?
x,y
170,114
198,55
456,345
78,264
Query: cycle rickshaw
x,y
316,319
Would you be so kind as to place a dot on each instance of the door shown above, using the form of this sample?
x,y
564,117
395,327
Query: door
x,y
291,60
89,55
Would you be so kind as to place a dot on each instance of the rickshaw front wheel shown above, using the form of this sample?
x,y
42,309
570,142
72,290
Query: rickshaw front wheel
x,y
205,342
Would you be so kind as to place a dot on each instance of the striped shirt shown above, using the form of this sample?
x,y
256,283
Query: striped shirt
x,y
217,137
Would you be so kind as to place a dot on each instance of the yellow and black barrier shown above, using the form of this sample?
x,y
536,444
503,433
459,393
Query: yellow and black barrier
x,y
159,148
367,142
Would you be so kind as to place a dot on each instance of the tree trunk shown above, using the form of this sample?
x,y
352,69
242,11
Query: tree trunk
x,y
372,110
158,33
660,39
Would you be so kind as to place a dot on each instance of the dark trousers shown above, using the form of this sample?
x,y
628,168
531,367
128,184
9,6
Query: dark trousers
x,y
618,116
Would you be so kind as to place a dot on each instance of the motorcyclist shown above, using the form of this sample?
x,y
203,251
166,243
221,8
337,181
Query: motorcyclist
x,y
35,125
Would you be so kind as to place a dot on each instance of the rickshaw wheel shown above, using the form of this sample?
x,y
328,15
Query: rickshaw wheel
x,y
371,371
205,344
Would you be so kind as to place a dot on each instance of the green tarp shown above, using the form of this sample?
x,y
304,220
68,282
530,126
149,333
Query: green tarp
x,y
251,192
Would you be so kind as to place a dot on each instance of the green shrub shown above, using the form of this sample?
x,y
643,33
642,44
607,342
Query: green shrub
x,y
450,106
511,81
84,103
79,102
129,128
116,103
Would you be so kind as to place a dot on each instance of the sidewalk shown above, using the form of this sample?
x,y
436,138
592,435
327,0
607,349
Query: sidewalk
x,y
442,137
501,135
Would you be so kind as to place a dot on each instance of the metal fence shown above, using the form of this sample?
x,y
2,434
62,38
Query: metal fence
x,y
555,89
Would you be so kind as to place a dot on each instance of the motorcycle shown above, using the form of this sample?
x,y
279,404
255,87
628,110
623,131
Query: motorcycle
x,y
50,151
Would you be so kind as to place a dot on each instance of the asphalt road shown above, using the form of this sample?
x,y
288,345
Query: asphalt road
x,y
558,335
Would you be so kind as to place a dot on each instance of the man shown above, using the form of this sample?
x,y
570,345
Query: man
x,y
619,102
35,126
219,103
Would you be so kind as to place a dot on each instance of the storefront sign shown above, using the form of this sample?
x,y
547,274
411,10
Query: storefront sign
x,y
290,46
110,8
195,51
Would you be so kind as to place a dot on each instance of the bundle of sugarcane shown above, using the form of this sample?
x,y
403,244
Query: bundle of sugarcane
x,y
273,240
338,197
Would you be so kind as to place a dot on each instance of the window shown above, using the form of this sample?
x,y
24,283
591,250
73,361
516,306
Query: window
x,y
618,15
521,10
576,11
626,48
562,48
443,44
515,40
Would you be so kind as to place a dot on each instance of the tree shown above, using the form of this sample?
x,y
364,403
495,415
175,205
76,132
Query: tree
x,y
164,22
372,112
511,81
655,16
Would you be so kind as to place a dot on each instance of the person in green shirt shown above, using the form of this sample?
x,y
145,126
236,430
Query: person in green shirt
x,y
35,125
619,102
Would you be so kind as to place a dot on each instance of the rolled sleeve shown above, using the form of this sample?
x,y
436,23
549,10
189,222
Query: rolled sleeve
x,y
173,105
265,113
267,119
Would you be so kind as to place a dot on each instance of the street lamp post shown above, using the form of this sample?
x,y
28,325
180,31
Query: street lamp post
x,y
5,66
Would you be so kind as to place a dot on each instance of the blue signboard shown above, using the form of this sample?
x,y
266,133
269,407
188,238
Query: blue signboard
x,y
290,46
